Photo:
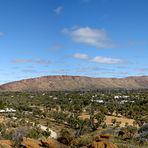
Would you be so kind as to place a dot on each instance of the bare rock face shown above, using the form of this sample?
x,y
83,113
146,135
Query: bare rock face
x,y
61,83
30,143
51,143
3,145
103,144
101,141
6,143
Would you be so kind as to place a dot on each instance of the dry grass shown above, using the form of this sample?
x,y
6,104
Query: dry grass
x,y
123,120
108,119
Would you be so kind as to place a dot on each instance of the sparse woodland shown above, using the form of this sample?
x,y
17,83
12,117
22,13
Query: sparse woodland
x,y
76,117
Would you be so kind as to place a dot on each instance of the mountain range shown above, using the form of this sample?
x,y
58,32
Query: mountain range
x,y
61,83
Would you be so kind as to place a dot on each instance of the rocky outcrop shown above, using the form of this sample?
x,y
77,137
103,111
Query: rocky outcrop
x,y
51,143
101,141
102,144
6,143
56,83
30,143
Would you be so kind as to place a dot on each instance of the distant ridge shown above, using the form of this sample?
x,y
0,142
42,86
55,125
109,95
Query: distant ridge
x,y
61,83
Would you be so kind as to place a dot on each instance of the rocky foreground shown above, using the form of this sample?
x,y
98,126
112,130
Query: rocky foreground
x,y
101,141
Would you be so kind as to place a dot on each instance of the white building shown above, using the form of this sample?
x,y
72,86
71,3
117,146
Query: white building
x,y
7,110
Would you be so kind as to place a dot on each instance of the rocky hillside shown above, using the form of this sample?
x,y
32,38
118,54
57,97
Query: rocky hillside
x,y
52,83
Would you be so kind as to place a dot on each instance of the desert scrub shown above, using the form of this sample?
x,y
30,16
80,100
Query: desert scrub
x,y
82,141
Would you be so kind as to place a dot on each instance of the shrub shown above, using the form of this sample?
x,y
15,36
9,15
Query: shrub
x,y
34,133
144,128
65,137
19,134
82,141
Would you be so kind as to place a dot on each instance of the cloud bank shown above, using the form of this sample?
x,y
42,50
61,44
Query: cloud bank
x,y
98,59
34,61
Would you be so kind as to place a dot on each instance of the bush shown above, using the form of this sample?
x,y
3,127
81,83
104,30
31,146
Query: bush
x,y
65,137
143,134
82,141
144,128
34,133
19,134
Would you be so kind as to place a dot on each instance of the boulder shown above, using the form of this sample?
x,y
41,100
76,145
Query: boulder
x,y
51,143
101,141
3,145
105,136
30,143
6,143
102,144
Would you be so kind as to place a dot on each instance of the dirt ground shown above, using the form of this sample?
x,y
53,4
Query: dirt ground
x,y
123,120
108,119
1,119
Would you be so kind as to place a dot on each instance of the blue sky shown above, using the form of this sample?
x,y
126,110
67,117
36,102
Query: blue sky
x,y
98,38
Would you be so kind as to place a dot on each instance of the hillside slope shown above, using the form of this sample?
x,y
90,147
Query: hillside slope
x,y
52,83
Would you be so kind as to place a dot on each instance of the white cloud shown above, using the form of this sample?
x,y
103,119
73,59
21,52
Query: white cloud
x,y
92,68
35,61
81,56
34,71
106,60
89,36
58,10
142,69
1,33
98,59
